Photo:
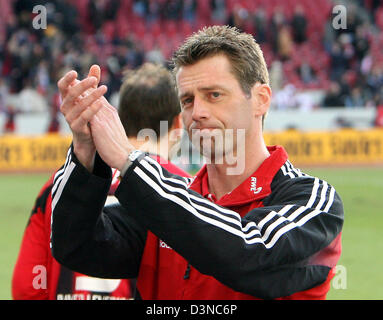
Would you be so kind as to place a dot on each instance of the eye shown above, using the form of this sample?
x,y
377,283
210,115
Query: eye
x,y
215,94
186,102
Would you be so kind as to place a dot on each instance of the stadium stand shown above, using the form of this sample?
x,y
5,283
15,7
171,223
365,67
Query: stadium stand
x,y
303,50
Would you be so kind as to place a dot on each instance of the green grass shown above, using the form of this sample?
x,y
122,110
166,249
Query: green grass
x,y
360,188
17,196
362,193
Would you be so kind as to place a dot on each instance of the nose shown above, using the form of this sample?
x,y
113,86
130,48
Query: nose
x,y
200,110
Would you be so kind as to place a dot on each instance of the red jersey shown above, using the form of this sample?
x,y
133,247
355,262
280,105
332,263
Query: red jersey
x,y
37,275
163,268
276,236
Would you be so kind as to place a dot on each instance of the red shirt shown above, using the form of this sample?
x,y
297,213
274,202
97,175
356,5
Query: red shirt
x,y
277,235
38,276
164,274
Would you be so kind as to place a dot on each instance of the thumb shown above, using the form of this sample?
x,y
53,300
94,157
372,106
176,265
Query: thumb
x,y
95,71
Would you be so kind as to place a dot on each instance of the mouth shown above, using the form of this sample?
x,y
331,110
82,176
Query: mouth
x,y
205,132
203,128
206,129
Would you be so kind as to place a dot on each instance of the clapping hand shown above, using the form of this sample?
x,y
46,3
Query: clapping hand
x,y
94,123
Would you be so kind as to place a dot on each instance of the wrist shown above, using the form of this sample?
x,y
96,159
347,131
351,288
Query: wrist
x,y
123,159
133,155
85,154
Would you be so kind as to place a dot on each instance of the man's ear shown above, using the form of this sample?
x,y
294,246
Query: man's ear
x,y
261,93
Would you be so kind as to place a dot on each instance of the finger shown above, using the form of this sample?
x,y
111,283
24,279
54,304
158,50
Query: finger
x,y
87,116
64,83
79,89
83,95
84,103
95,71
110,118
76,81
92,96
70,100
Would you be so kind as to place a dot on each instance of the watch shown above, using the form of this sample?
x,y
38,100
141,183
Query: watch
x,y
133,155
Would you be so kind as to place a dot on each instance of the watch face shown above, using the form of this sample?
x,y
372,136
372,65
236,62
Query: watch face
x,y
134,155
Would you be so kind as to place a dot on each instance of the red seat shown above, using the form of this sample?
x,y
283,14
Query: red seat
x,y
108,30
170,28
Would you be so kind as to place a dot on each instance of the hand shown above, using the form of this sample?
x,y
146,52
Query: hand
x,y
70,79
81,100
110,138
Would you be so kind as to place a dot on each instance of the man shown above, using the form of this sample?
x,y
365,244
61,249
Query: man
x,y
147,93
266,231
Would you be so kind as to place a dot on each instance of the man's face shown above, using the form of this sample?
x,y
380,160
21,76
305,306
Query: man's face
x,y
215,110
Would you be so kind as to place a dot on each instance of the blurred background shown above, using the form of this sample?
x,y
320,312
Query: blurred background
x,y
325,60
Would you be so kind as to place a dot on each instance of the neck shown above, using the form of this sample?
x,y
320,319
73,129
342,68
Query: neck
x,y
224,178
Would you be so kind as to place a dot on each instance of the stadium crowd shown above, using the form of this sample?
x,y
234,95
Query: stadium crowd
x,y
301,46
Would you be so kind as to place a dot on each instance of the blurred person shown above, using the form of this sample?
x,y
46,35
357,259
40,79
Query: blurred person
x,y
173,10
260,25
306,73
111,10
147,93
361,43
329,36
42,78
278,20
285,98
333,97
305,101
4,94
345,83
155,56
218,10
154,9
338,61
352,20
265,231
378,122
367,63
67,17
299,25
375,78
347,48
284,43
23,11
10,119
238,17
189,10
140,7
276,75
54,122
96,14
355,99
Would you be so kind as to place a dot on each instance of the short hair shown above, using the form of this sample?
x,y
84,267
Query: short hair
x,y
246,57
147,96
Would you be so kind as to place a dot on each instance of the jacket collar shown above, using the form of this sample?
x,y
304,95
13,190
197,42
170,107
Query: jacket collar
x,y
255,187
